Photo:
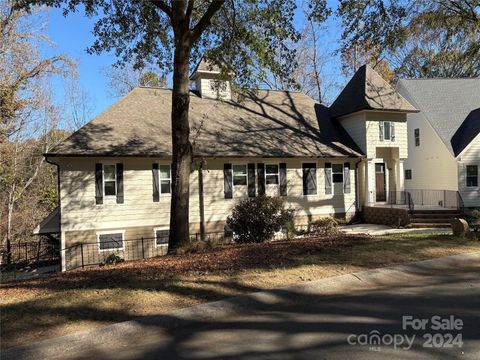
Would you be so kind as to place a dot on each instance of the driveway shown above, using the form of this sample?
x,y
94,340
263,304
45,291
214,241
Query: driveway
x,y
335,318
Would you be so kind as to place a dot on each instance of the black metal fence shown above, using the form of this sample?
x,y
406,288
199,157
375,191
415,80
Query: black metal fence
x,y
400,199
93,253
33,253
449,199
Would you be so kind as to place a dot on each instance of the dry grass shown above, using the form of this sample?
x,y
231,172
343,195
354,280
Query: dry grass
x,y
65,303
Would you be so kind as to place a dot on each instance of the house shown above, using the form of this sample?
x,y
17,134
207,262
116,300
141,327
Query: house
x,y
115,176
444,139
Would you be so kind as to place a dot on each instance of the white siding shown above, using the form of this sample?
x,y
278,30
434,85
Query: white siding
x,y
470,156
355,125
203,86
372,133
433,166
79,211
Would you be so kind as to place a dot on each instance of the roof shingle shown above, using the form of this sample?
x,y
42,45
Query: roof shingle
x,y
367,90
265,124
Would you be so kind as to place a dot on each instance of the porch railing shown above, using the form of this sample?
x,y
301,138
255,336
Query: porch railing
x,y
448,199
400,199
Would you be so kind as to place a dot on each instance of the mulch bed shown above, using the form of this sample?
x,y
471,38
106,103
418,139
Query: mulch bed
x,y
225,258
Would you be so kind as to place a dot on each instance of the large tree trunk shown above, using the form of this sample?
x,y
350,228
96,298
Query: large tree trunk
x,y
181,146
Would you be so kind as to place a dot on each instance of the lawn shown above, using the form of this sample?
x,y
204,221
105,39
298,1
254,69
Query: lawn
x,y
78,300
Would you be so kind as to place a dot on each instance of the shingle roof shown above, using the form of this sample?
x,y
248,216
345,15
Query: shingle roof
x,y
367,90
264,124
451,106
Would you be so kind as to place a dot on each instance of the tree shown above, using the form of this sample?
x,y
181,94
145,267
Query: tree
x,y
241,36
26,108
123,79
420,38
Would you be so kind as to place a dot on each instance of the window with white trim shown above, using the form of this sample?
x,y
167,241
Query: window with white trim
x,y
272,174
337,173
239,175
110,179
161,237
387,131
110,241
472,175
165,179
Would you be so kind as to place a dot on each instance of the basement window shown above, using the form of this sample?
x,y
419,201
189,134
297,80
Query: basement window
x,y
408,174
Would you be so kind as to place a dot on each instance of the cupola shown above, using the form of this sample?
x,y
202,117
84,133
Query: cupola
x,y
209,82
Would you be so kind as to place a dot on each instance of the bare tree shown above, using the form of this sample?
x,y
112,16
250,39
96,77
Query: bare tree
x,y
123,79
28,115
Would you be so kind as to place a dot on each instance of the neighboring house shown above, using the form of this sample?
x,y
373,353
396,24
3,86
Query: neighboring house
x,y
444,138
115,176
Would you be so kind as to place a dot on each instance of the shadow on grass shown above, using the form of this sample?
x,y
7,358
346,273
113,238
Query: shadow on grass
x,y
301,325
165,275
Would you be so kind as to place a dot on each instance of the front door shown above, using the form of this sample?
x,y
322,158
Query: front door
x,y
380,182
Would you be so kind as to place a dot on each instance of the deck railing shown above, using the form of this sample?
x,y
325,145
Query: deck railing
x,y
448,199
400,199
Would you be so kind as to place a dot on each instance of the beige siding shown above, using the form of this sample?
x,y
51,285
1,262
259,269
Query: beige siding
x,y
470,156
372,133
355,125
433,166
80,213
203,86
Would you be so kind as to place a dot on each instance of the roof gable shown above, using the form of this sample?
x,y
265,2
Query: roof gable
x,y
367,90
263,124
451,106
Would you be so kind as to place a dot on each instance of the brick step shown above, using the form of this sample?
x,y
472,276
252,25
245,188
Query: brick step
x,y
435,216
430,220
430,225
430,212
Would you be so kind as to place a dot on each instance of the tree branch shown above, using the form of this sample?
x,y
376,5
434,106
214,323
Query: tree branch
x,y
163,6
197,31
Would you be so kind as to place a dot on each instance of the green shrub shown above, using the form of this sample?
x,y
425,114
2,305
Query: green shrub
x,y
325,226
256,220
112,259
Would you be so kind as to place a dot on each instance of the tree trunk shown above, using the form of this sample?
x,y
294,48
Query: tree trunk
x,y
181,146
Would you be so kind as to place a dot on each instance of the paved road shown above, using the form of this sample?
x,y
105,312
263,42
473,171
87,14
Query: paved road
x,y
311,325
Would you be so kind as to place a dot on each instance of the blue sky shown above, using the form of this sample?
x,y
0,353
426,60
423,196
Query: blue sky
x,y
73,34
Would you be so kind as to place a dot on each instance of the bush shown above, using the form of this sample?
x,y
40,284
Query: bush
x,y
257,219
473,220
112,259
325,226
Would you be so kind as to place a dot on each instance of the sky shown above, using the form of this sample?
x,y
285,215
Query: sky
x,y
72,35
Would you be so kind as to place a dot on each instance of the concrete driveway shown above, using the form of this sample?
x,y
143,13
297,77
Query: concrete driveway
x,y
335,318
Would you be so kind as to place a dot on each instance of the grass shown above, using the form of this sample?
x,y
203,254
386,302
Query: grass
x,y
42,308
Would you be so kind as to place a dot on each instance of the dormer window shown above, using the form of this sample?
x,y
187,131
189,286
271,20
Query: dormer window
x,y
217,85
386,131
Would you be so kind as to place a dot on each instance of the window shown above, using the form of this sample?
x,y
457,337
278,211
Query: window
x,y
161,237
387,131
110,240
408,174
472,175
110,179
337,173
239,175
217,85
309,178
165,179
271,174
417,137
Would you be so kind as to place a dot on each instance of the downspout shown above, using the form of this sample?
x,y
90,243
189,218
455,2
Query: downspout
x,y
357,200
62,246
